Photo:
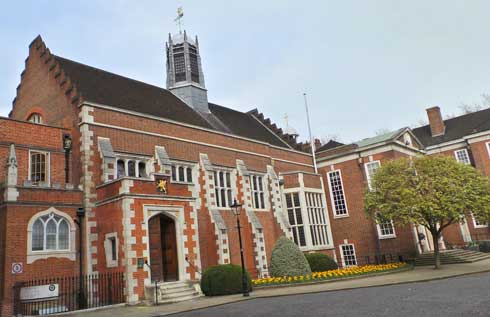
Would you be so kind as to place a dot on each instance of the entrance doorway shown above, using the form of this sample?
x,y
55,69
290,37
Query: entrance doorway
x,y
163,249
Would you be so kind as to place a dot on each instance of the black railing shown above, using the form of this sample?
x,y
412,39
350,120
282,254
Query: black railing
x,y
54,295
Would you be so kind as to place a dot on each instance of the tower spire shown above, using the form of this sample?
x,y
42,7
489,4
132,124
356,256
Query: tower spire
x,y
178,19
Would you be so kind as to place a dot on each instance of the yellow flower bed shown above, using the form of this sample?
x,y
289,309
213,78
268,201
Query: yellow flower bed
x,y
332,274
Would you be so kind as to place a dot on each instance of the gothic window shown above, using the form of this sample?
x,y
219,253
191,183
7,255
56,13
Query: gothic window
x,y
462,156
131,169
222,188
142,169
181,174
121,169
317,219
35,118
295,217
348,255
257,186
194,67
337,193
179,66
371,168
39,165
50,233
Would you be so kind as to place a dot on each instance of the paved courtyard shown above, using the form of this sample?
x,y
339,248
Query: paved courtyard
x,y
460,296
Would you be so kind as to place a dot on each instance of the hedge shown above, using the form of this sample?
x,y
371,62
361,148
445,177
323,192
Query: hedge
x,y
223,280
320,262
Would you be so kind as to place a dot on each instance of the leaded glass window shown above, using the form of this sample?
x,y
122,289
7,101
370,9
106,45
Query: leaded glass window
x,y
50,233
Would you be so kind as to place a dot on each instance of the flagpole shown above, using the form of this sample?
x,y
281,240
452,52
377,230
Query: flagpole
x,y
312,143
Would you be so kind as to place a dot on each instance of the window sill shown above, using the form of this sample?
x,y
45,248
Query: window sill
x,y
340,216
392,236
181,183
480,226
317,248
260,210
40,255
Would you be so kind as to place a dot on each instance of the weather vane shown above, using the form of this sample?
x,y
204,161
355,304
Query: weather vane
x,y
178,19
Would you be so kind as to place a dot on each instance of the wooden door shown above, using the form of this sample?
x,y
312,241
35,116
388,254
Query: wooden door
x,y
155,237
169,250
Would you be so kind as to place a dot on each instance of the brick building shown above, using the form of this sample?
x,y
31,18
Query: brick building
x,y
156,170
347,169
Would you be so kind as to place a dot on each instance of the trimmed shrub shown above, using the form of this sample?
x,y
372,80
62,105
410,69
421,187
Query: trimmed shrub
x,y
484,245
223,280
320,262
288,260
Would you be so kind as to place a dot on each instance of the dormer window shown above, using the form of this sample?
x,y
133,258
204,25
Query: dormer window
x,y
35,118
181,173
131,167
407,139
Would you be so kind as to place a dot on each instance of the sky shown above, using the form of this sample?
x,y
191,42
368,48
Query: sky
x,y
366,65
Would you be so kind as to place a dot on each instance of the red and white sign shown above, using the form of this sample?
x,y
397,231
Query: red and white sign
x,y
17,268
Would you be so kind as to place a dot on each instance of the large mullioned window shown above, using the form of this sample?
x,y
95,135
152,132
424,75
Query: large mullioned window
x,y
181,174
257,186
222,188
337,193
295,217
317,219
50,233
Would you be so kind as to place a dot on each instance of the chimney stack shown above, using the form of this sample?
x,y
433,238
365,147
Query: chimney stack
x,y
318,144
436,123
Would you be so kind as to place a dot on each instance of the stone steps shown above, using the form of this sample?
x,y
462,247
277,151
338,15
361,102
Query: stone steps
x,y
172,292
452,257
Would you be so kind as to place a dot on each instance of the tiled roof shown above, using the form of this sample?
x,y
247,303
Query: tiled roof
x,y
329,145
456,128
243,124
117,91
113,90
379,138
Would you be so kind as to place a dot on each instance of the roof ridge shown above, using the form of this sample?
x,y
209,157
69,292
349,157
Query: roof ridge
x,y
456,117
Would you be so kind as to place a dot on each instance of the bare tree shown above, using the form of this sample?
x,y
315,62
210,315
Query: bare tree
x,y
476,106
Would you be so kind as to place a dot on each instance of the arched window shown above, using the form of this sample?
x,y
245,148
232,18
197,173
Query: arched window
x,y
35,118
50,233
189,175
131,169
141,169
181,174
121,170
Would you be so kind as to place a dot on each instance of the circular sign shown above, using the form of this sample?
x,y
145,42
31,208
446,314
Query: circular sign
x,y
52,287
17,268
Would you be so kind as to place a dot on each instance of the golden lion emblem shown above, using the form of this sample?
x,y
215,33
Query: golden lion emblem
x,y
162,186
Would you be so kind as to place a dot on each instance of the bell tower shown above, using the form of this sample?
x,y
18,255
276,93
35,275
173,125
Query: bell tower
x,y
185,78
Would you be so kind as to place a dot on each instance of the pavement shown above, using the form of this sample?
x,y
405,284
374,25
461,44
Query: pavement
x,y
418,274
457,296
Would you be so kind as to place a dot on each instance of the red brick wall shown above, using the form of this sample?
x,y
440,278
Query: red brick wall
x,y
40,91
17,218
358,228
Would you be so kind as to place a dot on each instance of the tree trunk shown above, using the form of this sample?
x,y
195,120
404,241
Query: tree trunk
x,y
437,255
